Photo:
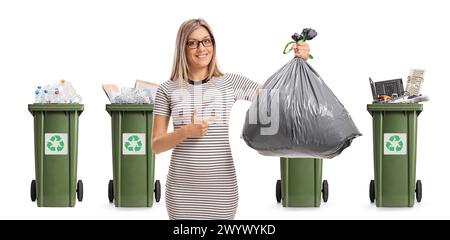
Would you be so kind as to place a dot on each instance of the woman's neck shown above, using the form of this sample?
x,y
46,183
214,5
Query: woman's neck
x,y
198,74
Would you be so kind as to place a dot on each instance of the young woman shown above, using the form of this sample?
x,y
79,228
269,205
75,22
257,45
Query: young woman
x,y
201,183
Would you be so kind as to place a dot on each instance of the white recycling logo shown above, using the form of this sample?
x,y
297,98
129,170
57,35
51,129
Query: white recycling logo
x,y
395,144
133,144
56,143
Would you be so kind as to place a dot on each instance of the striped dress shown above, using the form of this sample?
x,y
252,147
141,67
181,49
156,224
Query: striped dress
x,y
201,183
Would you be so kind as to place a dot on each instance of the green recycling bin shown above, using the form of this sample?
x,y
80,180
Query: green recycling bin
x,y
394,151
301,183
133,159
56,152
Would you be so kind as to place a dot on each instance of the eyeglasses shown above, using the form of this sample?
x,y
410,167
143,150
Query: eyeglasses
x,y
193,44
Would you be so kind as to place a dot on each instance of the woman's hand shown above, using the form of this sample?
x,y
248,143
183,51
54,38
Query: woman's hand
x,y
301,50
198,127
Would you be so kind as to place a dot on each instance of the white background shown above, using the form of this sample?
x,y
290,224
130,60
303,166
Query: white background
x,y
93,42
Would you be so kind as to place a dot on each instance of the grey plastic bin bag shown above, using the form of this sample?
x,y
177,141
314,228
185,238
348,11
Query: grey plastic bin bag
x,y
297,115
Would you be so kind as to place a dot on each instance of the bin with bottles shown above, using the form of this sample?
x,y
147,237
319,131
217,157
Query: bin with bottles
x,y
59,92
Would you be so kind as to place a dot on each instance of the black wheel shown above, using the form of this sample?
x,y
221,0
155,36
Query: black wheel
x,y
419,191
80,190
157,190
33,191
325,191
111,191
372,191
278,191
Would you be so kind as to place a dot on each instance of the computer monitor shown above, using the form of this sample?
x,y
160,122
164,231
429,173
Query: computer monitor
x,y
388,88
374,91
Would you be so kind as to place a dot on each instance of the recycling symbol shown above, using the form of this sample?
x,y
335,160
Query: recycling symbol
x,y
133,143
55,143
395,144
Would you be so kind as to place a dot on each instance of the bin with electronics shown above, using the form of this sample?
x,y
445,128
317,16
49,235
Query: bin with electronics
x,y
392,91
395,114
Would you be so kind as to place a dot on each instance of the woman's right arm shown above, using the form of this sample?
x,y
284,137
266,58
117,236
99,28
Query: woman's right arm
x,y
163,141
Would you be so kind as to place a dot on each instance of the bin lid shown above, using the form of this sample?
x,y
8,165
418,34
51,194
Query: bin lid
x,y
129,107
55,107
394,107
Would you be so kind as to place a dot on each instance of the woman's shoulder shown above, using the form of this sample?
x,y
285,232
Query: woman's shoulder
x,y
167,85
233,77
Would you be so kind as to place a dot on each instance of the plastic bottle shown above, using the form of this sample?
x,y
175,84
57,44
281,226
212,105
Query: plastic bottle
x,y
57,96
51,98
45,96
53,93
70,94
75,99
67,87
38,95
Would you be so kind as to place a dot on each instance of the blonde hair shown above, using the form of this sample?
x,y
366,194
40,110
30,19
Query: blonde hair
x,y
180,68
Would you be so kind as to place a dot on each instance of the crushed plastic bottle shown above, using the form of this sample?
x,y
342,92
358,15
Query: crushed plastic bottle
x,y
59,92
70,94
133,95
